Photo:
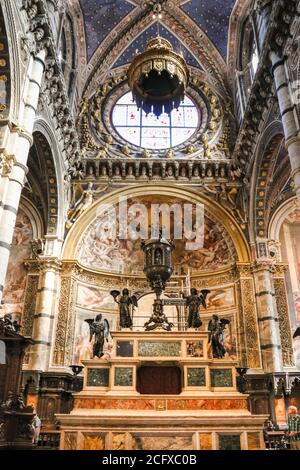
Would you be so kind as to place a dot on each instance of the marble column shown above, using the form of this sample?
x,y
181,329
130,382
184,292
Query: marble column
x,y
18,145
289,122
267,317
44,316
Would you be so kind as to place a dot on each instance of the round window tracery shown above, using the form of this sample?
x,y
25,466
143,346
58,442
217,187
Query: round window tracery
x,y
150,132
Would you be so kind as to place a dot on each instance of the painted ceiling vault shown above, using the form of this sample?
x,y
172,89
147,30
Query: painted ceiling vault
x,y
101,17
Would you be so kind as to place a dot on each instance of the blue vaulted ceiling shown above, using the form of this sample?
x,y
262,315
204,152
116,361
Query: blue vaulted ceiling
x,y
140,42
102,16
213,17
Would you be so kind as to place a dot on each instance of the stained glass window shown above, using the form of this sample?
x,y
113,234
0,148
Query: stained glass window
x,y
150,132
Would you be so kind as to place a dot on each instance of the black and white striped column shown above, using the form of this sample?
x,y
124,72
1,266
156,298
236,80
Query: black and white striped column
x,y
44,315
267,316
18,145
287,110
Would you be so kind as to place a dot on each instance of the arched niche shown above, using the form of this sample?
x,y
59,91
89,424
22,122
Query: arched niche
x,y
90,293
232,232
50,176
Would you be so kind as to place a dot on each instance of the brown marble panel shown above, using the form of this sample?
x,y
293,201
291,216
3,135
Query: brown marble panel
x,y
119,442
93,442
254,440
205,441
163,443
70,442
206,404
111,404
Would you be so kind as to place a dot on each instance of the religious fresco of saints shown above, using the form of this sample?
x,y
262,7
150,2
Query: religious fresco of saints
x,y
126,256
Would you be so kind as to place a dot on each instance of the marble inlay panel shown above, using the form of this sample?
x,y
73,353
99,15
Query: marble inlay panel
x,y
205,441
159,348
93,441
254,440
70,442
123,376
194,348
221,377
229,442
195,377
206,404
114,403
119,442
163,443
125,348
97,377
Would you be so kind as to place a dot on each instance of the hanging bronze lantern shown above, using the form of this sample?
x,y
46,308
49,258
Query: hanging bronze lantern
x,y
158,78
158,263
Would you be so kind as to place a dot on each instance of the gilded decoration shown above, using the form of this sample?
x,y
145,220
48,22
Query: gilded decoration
x,y
99,138
29,305
241,328
159,60
284,322
63,327
250,323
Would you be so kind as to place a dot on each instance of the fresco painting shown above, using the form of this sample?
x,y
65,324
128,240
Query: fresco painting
x,y
15,282
94,298
126,256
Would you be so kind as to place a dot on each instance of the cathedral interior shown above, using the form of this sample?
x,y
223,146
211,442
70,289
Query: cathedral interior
x,y
138,341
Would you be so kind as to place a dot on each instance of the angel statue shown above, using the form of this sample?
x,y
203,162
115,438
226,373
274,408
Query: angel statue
x,y
126,304
100,330
216,329
193,302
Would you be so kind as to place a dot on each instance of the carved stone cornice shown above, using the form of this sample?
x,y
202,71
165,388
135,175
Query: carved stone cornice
x,y
243,270
262,265
43,264
127,169
49,263
279,269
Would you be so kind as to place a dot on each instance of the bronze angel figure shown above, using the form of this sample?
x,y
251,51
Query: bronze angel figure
x,y
216,329
126,304
99,329
193,302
